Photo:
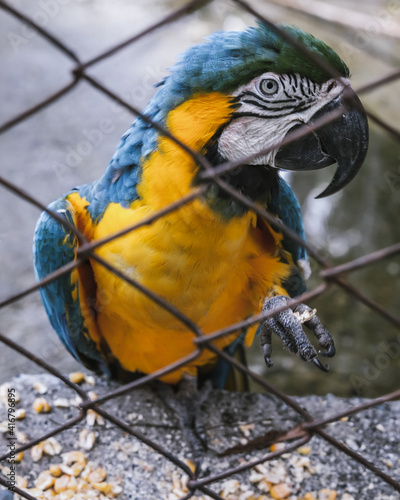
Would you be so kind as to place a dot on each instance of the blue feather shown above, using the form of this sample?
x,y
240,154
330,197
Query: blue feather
x,y
286,207
54,246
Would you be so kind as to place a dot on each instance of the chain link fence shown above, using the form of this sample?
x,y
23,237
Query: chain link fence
x,y
330,276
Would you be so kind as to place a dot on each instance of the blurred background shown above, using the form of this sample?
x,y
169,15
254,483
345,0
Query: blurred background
x,y
71,141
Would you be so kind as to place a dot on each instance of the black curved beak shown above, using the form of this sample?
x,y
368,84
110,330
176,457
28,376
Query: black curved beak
x,y
344,140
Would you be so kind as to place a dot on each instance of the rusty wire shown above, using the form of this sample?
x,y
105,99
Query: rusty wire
x,y
328,274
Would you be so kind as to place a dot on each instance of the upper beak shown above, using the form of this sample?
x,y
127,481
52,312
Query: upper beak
x,y
343,140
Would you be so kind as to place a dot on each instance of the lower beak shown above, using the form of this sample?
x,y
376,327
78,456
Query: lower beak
x,y
343,140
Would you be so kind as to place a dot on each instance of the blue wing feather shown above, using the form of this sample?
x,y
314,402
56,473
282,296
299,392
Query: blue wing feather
x,y
286,207
54,246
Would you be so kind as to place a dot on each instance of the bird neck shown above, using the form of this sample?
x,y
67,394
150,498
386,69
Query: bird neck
x,y
199,122
257,182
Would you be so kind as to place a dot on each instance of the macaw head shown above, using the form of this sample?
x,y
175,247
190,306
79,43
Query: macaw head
x,y
276,89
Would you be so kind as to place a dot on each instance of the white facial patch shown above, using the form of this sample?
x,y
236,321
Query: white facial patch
x,y
270,105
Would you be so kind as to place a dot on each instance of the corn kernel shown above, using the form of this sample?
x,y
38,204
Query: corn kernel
x,y
39,387
261,469
280,491
55,470
22,482
328,494
277,446
61,403
304,450
75,401
37,452
72,483
48,494
77,377
93,395
86,472
246,429
87,439
21,437
97,475
90,380
230,487
52,447
44,481
41,405
61,483
67,494
309,496
90,417
255,477
176,480
74,470
20,414
190,464
71,457
264,485
116,490
103,487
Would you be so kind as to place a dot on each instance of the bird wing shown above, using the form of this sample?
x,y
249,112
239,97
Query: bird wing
x,y
69,300
286,207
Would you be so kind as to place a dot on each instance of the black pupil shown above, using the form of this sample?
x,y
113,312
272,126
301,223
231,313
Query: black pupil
x,y
269,86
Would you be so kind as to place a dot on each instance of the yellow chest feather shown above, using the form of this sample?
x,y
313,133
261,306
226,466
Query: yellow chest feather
x,y
215,271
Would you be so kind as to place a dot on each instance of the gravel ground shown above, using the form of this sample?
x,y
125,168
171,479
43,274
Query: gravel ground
x,y
135,471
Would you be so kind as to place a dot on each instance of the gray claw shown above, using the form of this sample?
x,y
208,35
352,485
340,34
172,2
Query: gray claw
x,y
266,344
268,361
329,353
288,325
317,362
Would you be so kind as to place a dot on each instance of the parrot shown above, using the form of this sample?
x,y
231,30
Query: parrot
x,y
233,97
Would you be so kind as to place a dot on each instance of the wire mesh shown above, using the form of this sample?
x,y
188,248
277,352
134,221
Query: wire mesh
x,y
329,275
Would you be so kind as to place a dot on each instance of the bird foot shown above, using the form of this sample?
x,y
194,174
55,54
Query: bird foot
x,y
186,403
288,325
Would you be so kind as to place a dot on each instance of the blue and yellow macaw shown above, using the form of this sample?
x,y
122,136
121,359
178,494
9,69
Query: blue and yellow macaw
x,y
234,95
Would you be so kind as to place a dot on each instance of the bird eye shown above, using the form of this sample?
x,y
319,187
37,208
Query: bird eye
x,y
269,86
